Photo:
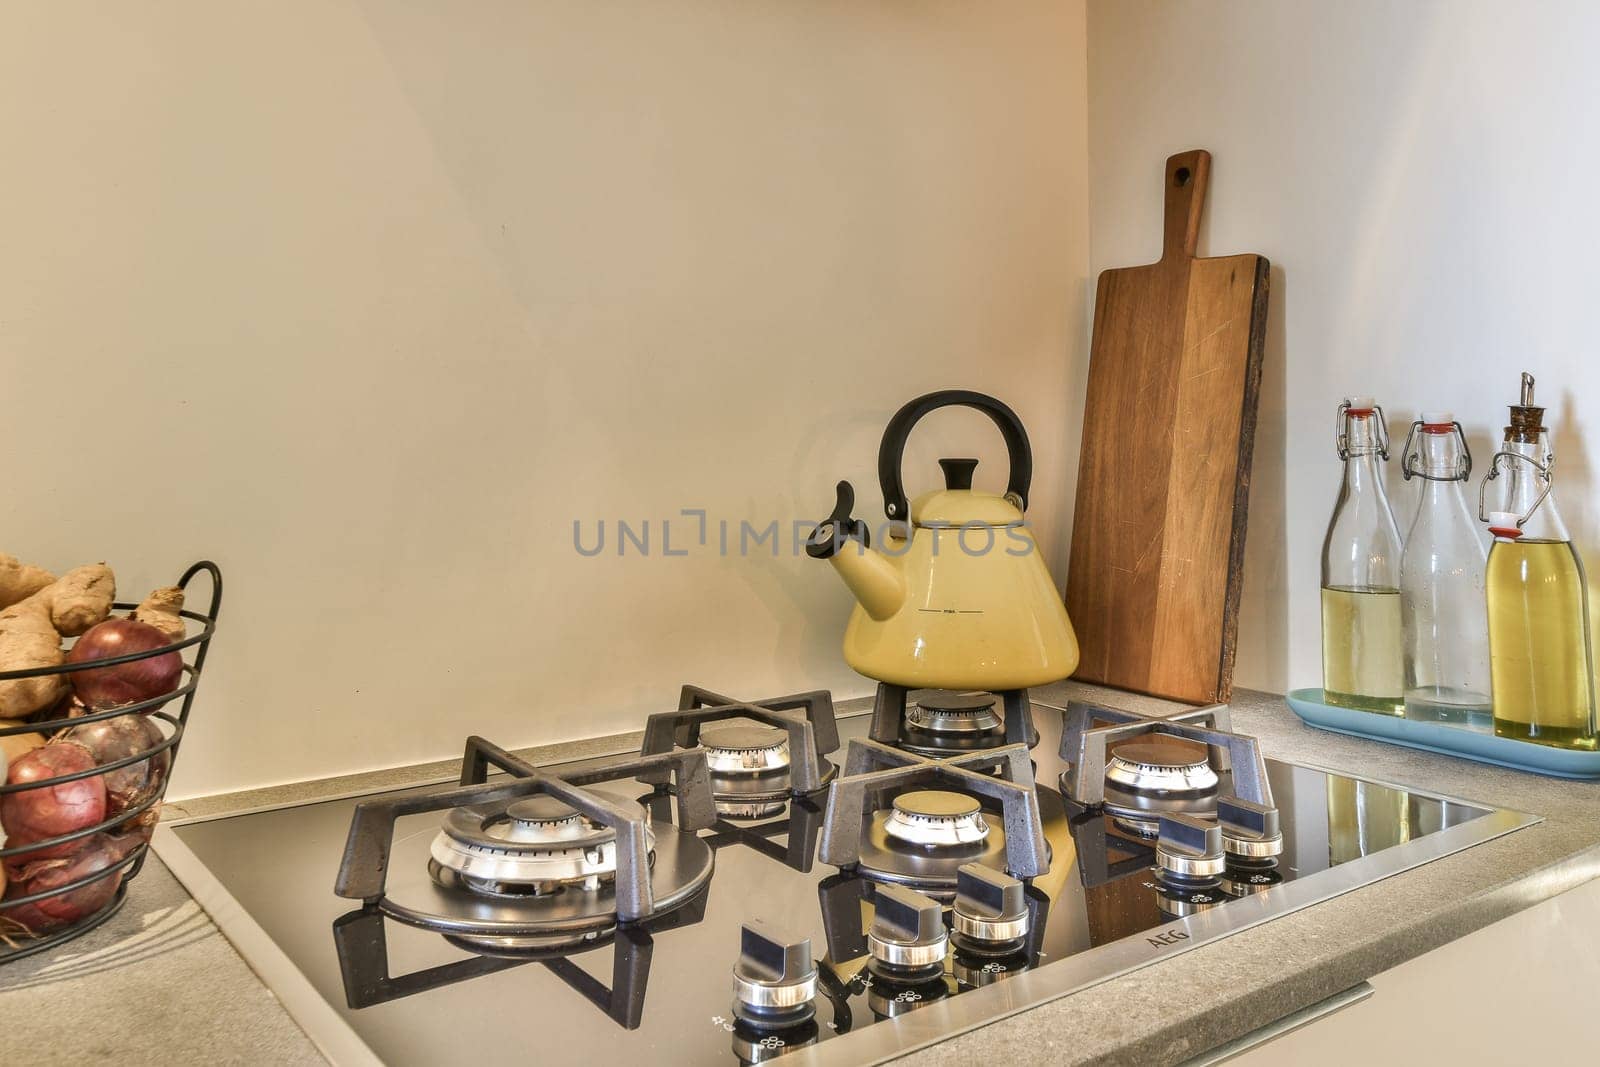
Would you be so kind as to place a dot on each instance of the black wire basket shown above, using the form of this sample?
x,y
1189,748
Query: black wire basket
x,y
18,939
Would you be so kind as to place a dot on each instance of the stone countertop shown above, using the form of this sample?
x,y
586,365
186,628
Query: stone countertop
x,y
159,984
1202,998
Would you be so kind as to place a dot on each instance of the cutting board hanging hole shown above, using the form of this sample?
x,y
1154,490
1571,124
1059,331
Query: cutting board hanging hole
x,y
1185,200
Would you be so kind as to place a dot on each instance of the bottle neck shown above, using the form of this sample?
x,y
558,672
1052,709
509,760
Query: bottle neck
x,y
1363,471
1439,456
1524,486
1439,464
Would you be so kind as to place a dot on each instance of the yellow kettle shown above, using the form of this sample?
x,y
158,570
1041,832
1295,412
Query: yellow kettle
x,y
956,595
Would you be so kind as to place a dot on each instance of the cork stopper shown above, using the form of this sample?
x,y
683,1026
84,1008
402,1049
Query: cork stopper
x,y
1527,420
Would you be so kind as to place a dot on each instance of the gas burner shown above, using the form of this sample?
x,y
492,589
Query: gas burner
x,y
1139,768
531,847
745,749
945,721
539,863
935,722
921,837
759,755
1155,776
936,818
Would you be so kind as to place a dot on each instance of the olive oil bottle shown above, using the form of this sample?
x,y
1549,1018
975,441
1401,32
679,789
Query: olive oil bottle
x,y
1541,672
1362,665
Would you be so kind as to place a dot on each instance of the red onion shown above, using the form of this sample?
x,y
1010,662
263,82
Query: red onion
x,y
50,810
95,853
110,740
139,831
110,687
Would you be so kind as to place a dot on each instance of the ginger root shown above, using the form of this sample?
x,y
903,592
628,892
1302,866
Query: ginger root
x,y
14,746
19,581
81,598
160,609
31,632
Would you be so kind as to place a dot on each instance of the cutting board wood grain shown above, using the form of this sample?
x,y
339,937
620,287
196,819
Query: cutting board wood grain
x,y
1154,581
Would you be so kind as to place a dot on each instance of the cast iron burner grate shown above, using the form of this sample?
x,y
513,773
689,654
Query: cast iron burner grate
x,y
771,750
1139,767
856,834
656,870
364,963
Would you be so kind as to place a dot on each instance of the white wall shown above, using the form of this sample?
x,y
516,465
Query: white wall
x,y
369,300
1531,961
1422,177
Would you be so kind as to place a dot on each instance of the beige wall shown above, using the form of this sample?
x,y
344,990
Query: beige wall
x,y
370,300
1421,176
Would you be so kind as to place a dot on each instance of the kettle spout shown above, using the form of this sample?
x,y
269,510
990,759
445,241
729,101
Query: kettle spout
x,y
877,583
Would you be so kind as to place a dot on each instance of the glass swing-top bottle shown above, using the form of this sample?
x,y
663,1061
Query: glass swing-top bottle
x,y
1541,672
1442,582
1361,632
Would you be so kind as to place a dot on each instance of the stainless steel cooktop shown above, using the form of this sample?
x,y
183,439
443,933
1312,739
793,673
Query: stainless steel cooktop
x,y
367,987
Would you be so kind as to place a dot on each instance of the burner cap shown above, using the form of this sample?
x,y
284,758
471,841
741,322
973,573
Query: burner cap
x,y
1160,751
935,817
541,818
741,737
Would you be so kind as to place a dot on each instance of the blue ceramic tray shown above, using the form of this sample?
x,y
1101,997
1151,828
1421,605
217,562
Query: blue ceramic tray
x,y
1447,740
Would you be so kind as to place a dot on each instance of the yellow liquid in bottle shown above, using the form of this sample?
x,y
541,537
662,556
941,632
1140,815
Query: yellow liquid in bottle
x,y
1539,665
1361,649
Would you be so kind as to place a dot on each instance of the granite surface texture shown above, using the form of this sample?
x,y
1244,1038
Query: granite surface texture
x,y
158,983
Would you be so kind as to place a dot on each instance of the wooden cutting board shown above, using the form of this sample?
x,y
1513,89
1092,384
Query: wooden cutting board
x,y
1164,479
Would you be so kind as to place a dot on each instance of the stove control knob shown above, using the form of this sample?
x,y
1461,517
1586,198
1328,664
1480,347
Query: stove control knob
x,y
1190,849
908,939
990,916
1250,831
775,980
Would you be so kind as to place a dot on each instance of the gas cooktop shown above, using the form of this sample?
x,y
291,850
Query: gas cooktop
x,y
744,888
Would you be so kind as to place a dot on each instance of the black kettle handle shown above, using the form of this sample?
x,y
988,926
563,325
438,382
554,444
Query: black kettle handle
x,y
893,448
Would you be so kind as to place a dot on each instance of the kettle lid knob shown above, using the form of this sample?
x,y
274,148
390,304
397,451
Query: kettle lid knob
x,y
958,472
